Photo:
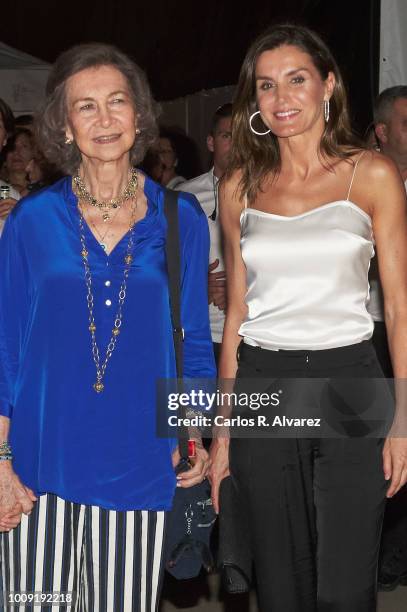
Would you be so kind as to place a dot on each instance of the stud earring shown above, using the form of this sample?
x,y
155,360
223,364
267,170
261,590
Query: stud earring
x,y
138,131
68,141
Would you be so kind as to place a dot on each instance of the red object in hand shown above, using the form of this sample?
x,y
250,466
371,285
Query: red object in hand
x,y
191,448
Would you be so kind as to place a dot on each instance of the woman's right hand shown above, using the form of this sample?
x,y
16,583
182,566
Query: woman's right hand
x,y
6,206
219,454
15,498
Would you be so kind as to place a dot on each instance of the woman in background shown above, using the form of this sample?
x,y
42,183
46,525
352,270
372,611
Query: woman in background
x,y
9,196
40,172
179,157
17,153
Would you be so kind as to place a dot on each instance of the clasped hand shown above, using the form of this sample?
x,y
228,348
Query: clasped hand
x,y
199,470
217,286
15,499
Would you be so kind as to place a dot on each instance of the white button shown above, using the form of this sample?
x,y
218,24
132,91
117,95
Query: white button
x,y
107,283
108,302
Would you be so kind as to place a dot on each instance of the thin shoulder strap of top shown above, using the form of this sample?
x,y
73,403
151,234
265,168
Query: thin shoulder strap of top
x,y
353,173
245,200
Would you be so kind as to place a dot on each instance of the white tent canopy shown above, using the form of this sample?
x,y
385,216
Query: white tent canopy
x,y
22,79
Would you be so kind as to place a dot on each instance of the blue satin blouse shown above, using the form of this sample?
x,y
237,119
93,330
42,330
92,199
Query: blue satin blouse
x,y
98,449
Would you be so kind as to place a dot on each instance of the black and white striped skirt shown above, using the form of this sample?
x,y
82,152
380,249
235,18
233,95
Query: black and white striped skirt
x,y
109,561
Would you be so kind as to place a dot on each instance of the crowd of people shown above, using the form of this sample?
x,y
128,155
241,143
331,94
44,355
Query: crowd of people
x,y
277,241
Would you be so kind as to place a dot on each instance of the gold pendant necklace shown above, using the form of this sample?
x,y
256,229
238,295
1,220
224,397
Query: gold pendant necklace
x,y
79,189
98,386
102,236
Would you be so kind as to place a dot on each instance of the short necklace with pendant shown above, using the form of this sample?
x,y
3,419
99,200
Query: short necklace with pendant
x,y
102,237
80,190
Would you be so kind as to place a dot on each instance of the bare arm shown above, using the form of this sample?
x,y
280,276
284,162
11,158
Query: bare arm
x,y
231,206
389,212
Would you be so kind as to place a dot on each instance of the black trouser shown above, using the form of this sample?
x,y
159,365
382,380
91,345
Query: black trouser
x,y
216,352
381,347
394,537
314,506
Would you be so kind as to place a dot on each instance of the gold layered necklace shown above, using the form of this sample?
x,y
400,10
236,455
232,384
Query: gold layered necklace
x,y
98,386
79,189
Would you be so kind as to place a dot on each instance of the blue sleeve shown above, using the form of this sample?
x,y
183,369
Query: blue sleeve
x,y
13,313
198,350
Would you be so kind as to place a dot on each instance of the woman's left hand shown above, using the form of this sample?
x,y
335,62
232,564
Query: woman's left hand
x,y
199,470
395,463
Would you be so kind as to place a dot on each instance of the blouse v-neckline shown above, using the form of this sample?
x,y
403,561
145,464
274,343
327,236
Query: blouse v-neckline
x,y
73,200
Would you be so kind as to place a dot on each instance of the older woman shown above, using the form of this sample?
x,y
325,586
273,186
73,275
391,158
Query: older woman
x,y
302,207
85,333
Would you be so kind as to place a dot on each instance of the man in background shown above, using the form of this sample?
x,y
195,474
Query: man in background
x,y
390,120
205,188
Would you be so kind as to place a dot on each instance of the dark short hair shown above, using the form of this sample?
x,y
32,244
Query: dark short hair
x,y
24,120
52,118
11,142
221,113
7,116
384,102
185,149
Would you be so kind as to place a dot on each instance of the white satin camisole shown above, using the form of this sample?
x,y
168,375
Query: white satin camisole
x,y
307,277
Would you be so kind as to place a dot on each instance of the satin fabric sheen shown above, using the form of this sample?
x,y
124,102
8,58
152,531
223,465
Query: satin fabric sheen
x,y
97,449
307,277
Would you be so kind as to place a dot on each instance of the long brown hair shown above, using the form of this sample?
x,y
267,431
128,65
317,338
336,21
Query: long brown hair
x,y
257,156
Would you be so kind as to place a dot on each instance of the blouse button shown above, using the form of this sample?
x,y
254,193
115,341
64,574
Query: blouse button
x,y
108,302
107,283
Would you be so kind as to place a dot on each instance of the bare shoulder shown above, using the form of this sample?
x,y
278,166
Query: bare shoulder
x,y
230,195
377,168
377,184
229,186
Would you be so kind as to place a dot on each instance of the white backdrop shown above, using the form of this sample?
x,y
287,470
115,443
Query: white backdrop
x,y
22,79
194,113
393,43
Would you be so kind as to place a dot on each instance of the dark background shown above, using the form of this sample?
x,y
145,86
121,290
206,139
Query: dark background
x,y
188,46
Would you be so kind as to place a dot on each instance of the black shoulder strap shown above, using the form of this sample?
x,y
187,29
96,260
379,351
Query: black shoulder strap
x,y
172,251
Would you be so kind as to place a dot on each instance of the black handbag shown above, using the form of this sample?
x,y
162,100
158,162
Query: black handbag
x,y
191,519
